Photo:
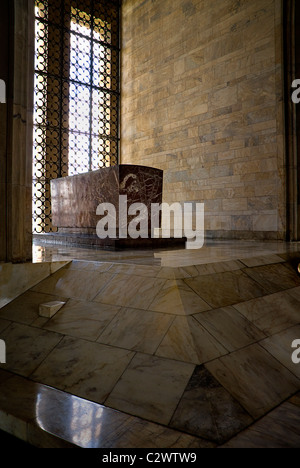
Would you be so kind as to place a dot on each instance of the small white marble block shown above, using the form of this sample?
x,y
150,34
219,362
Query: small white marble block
x,y
50,309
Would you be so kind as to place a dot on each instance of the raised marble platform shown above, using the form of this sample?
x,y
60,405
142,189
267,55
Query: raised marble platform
x,y
92,241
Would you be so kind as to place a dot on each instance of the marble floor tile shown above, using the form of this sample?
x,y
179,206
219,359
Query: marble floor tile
x,y
273,313
89,266
75,284
151,271
39,322
274,278
295,293
25,309
262,260
292,265
130,291
102,267
151,388
86,320
219,267
257,380
27,347
18,400
4,375
84,265
230,328
295,400
255,440
280,347
58,265
284,422
139,433
290,255
138,330
4,324
224,289
279,429
37,437
208,410
177,298
85,369
186,340
178,273
15,279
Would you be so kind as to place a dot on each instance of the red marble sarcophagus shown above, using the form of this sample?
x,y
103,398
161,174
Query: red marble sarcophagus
x,y
75,199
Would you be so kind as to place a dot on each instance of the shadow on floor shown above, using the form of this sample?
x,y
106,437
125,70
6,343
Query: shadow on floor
x,y
8,441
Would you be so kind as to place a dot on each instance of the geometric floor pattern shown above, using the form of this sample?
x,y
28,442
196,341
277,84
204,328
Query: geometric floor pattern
x,y
154,356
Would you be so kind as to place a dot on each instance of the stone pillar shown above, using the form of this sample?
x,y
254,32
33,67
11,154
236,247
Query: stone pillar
x,y
4,75
16,129
292,110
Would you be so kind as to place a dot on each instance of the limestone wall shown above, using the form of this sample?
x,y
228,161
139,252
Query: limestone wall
x,y
202,99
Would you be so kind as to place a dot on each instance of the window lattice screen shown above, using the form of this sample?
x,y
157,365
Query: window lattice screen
x,y
76,99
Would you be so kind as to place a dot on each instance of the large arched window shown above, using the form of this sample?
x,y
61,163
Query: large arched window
x,y
76,98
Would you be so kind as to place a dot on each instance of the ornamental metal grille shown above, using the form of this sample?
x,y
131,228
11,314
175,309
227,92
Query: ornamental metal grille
x,y
76,98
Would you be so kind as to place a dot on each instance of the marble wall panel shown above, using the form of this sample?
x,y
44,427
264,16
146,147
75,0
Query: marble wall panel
x,y
207,108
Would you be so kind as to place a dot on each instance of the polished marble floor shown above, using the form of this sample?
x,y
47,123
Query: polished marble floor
x,y
212,252
156,349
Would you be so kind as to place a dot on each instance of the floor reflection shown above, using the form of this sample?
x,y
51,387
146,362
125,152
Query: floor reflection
x,y
213,251
79,421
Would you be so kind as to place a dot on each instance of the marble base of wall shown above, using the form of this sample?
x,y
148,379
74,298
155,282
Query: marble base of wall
x,y
246,235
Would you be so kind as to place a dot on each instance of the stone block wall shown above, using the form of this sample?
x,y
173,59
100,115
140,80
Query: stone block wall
x,y
202,99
